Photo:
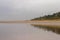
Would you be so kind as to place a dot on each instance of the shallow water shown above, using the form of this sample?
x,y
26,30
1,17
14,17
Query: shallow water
x,y
20,31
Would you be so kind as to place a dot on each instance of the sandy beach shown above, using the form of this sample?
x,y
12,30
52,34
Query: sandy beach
x,y
42,22
46,23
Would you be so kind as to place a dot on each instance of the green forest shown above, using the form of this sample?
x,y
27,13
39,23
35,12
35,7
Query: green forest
x,y
54,16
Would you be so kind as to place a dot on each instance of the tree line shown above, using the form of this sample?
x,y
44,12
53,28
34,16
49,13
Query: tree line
x,y
54,16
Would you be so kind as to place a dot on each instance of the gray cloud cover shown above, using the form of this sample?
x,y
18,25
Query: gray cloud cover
x,y
27,9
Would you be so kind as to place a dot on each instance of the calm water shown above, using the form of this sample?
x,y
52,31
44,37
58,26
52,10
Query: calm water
x,y
27,32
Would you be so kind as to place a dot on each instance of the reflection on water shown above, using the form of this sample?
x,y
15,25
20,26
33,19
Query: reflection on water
x,y
49,28
20,31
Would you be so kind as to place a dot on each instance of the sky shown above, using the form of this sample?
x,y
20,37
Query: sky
x,y
27,9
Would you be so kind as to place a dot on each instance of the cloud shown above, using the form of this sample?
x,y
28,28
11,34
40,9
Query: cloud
x,y
27,9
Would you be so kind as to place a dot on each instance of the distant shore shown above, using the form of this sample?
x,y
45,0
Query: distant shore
x,y
49,23
34,21
37,22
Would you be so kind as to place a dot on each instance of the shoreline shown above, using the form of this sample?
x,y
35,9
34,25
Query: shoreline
x,y
37,22
29,21
49,23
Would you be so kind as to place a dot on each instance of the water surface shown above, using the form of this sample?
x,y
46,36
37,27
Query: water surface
x,y
20,31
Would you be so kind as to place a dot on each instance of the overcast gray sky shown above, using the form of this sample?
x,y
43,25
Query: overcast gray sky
x,y
27,9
